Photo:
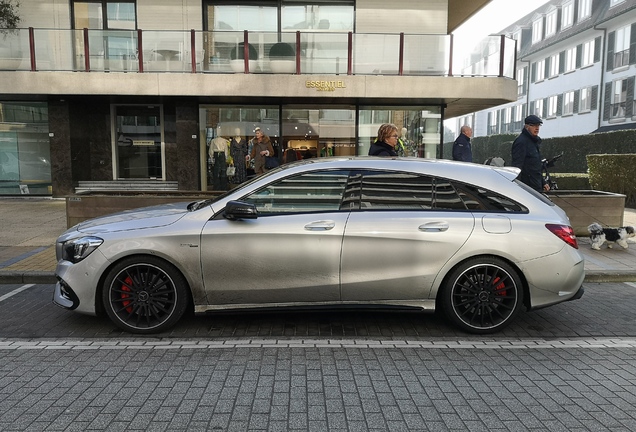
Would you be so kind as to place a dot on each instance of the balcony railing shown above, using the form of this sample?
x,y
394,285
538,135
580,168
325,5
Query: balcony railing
x,y
143,51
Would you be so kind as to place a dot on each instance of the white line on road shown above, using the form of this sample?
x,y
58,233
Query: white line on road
x,y
15,291
631,284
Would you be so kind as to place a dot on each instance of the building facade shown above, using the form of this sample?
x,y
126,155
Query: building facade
x,y
576,66
140,90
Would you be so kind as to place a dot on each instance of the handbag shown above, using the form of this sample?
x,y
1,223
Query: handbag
x,y
271,162
231,170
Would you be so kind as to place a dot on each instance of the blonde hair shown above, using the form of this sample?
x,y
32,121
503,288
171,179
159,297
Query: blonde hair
x,y
386,130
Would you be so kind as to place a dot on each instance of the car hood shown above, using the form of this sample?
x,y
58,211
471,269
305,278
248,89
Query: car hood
x,y
147,217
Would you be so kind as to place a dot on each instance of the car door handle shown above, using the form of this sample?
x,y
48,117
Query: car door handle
x,y
434,227
320,226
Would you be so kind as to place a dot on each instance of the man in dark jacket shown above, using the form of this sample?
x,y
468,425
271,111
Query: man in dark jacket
x,y
526,154
461,147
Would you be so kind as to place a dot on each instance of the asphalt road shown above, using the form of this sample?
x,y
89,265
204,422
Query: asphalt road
x,y
568,367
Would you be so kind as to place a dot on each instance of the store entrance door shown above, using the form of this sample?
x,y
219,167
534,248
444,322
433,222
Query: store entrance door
x,y
138,148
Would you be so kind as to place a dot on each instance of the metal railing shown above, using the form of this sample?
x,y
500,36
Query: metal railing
x,y
193,51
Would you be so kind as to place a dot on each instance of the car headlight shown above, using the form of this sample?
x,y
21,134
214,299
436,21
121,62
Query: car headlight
x,y
77,249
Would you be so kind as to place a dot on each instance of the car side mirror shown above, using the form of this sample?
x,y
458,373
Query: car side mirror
x,y
236,210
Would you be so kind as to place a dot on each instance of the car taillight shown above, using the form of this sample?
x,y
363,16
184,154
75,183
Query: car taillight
x,y
565,233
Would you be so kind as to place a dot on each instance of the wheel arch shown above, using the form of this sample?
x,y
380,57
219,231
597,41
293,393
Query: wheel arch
x,y
99,305
524,281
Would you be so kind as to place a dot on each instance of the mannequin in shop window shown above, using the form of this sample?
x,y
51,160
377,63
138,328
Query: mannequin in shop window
x,y
238,151
218,152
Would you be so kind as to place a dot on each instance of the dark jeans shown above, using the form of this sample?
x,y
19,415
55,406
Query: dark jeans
x,y
219,172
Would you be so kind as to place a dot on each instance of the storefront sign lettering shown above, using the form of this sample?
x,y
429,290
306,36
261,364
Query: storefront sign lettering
x,y
325,85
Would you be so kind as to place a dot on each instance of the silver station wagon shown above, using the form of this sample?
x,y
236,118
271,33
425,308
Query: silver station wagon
x,y
334,232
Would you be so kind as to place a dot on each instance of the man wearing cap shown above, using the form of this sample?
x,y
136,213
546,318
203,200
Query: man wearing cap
x,y
526,154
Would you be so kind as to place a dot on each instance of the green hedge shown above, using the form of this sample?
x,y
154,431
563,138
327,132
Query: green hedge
x,y
614,173
574,148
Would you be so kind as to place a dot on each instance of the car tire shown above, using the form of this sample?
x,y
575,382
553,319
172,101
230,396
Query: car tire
x,y
482,295
145,295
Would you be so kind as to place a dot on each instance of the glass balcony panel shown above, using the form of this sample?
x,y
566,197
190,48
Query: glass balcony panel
x,y
166,51
323,53
509,58
224,51
14,50
426,55
377,54
54,50
483,59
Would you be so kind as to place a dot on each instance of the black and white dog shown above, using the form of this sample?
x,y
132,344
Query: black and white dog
x,y
600,235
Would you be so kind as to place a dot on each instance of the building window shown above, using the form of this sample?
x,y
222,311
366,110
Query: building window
x,y
25,153
568,103
492,123
567,15
538,107
517,36
518,114
554,66
521,81
588,53
553,105
585,104
585,9
619,97
621,46
537,30
541,70
550,23
570,60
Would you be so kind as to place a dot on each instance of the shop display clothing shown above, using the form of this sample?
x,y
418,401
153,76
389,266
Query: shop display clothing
x,y
238,151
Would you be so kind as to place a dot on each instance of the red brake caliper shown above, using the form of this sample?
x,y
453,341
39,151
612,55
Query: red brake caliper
x,y
499,289
127,281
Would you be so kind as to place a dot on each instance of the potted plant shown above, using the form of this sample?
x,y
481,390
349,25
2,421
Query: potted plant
x,y
282,58
10,50
237,57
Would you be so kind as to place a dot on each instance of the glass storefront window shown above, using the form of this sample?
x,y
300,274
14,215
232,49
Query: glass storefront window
x,y
419,127
25,162
307,16
243,17
138,149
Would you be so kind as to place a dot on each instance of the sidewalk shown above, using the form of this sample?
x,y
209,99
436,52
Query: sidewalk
x,y
30,227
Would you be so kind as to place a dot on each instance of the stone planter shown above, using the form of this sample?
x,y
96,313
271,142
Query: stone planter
x,y
586,206
82,207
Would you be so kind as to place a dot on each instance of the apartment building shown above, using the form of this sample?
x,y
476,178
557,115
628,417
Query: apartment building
x,y
110,91
575,69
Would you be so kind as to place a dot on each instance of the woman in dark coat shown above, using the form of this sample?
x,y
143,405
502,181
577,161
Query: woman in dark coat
x,y
386,141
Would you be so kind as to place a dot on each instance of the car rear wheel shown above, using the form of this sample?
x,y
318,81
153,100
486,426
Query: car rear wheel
x,y
482,295
145,295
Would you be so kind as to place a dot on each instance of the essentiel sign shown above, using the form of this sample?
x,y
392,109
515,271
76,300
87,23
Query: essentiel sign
x,y
325,85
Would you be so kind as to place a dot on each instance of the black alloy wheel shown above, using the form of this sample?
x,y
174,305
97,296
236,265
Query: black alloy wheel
x,y
145,295
482,295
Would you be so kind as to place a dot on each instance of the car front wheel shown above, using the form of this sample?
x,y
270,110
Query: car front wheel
x,y
144,295
482,295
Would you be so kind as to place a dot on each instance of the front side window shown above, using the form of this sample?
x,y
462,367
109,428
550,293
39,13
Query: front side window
x,y
320,191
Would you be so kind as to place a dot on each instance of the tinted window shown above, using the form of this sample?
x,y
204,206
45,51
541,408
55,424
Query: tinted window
x,y
319,191
477,198
395,191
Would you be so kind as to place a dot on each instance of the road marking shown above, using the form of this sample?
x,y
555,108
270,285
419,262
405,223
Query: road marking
x,y
16,291
631,284
176,344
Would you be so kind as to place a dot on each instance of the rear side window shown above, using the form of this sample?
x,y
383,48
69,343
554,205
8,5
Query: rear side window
x,y
388,190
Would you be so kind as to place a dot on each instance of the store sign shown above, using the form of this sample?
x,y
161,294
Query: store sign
x,y
325,85
143,142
